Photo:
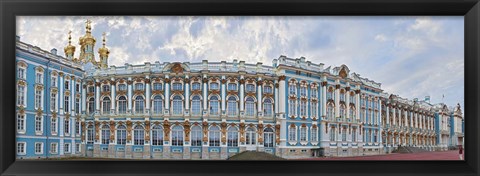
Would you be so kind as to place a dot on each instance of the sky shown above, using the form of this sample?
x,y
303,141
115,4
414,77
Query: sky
x,y
411,56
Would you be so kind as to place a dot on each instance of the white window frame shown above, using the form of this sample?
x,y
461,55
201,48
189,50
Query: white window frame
x,y
41,148
303,134
292,132
39,77
23,148
67,148
21,96
314,134
78,147
23,73
38,99
21,123
54,126
54,148
40,122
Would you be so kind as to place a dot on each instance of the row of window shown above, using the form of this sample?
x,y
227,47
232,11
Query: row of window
x,y
177,105
292,134
39,79
177,136
67,148
21,125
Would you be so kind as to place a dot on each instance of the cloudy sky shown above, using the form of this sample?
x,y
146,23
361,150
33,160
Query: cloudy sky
x,y
411,56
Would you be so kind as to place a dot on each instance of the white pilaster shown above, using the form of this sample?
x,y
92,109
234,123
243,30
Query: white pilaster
x,y
337,98
97,96
187,94
147,94
60,94
129,94
204,91
84,97
113,96
224,93
242,97
167,93
259,97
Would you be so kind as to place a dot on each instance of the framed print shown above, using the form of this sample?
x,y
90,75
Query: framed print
x,y
186,88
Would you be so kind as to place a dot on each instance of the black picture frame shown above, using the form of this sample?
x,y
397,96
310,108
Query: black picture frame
x,y
9,9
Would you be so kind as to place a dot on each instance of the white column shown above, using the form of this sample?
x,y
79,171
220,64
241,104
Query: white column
x,y
60,94
167,93
357,104
259,95
147,94
324,99
113,96
347,102
97,96
205,91
242,97
394,115
187,93
281,95
388,115
224,93
276,101
379,135
337,98
129,94
84,97
72,96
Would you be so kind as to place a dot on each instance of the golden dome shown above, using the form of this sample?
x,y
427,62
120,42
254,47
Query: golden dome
x,y
103,51
88,37
69,49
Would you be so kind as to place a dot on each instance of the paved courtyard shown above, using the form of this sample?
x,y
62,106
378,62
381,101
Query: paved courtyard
x,y
445,155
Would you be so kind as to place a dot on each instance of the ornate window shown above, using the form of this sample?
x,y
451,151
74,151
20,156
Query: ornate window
x,y
352,112
196,86
38,124
214,86
91,89
303,108
314,92
268,107
138,135
105,88
105,134
268,137
232,86
53,126
292,107
267,89
39,78
232,137
20,123
232,106
303,91
90,105
250,106
214,136
77,127
196,105
122,105
67,103
342,96
303,133
21,73
330,111
292,89
139,86
67,85
157,86
106,105
77,87
122,87
344,134
314,108
354,135
177,86
374,136
121,135
196,136
332,134
157,135
21,95
214,105
139,104
314,134
250,88
177,105
77,105
343,111
38,99
292,133
66,126
330,94
157,104
53,102
54,81
251,136
352,98
177,136
90,134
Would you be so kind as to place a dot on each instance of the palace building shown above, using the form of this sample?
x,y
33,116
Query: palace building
x,y
293,108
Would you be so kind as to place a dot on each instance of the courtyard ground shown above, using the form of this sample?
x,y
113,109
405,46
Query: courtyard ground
x,y
444,155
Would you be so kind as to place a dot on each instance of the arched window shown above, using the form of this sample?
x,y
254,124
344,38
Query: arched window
x,y
343,112
91,105
121,135
303,133
196,105
232,137
330,111
352,112
138,135
157,104
196,136
122,105
314,134
105,134
303,108
157,135
251,136
139,105
292,133
330,94
314,107
342,96
314,92
214,136
250,106
268,108
268,137
214,105
21,95
177,136
291,89
177,105
303,91
106,105
90,134
292,107
232,106
332,134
